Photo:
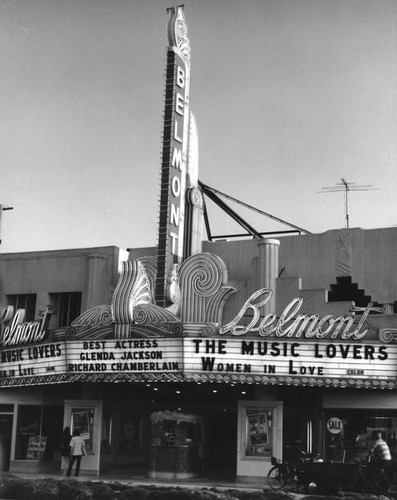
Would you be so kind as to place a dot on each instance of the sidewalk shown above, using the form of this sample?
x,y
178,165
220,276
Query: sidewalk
x,y
221,483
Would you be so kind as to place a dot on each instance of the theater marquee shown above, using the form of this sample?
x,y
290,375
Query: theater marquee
x,y
292,348
40,360
118,356
271,361
253,359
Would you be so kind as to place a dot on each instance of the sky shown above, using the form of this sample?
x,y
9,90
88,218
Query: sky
x,y
290,96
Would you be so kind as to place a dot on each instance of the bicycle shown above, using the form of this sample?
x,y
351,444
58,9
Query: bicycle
x,y
375,481
286,474
276,475
282,475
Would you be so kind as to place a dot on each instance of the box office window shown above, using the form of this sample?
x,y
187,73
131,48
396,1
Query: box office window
x,y
67,307
39,431
26,302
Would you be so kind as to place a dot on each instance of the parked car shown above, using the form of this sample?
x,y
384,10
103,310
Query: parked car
x,y
333,475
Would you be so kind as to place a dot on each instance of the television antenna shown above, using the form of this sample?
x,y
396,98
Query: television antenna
x,y
346,187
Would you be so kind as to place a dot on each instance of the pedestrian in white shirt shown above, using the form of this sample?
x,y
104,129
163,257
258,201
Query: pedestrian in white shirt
x,y
77,450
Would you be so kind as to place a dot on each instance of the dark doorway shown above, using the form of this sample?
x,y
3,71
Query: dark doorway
x,y
222,444
294,435
5,441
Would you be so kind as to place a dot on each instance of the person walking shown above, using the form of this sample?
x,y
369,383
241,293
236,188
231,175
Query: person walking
x,y
380,457
65,449
77,450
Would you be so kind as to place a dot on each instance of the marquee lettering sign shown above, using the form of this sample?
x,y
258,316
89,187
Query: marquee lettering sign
x,y
116,356
200,358
175,151
177,167
317,359
291,324
34,360
14,331
102,356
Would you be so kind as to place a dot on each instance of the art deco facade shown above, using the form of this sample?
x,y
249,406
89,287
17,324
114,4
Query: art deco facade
x,y
197,357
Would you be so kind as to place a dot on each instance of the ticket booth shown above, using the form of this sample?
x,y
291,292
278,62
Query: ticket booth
x,y
175,446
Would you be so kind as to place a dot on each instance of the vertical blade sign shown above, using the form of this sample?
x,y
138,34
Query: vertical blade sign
x,y
175,152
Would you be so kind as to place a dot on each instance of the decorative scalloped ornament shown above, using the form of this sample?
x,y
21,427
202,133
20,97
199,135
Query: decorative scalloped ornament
x,y
195,197
133,289
200,329
173,292
125,377
195,377
157,330
203,280
99,315
177,32
150,313
90,332
201,291
290,381
150,266
388,335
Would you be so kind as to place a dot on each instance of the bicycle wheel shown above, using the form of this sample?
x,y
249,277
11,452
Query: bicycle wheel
x,y
275,478
382,485
290,479
359,483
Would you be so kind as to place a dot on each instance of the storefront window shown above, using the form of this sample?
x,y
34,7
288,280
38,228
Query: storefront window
x,y
28,433
344,429
258,432
38,432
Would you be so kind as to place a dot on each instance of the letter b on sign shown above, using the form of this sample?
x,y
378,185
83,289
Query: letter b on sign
x,y
180,77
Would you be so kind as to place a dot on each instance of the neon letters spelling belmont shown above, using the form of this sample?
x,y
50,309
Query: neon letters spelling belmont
x,y
18,332
289,325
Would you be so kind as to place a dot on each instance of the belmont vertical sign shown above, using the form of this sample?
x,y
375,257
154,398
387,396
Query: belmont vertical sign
x,y
175,151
